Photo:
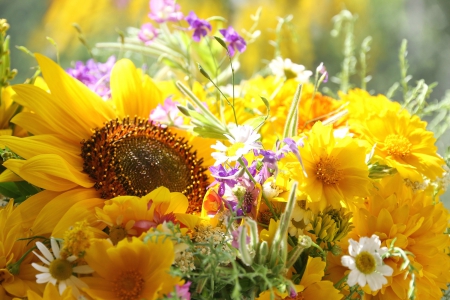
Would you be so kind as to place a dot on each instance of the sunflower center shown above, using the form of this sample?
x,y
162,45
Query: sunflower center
x,y
231,151
397,145
365,262
327,170
134,157
128,285
60,269
117,233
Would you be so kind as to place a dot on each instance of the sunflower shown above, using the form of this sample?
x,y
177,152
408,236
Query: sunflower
x,y
403,142
80,143
131,270
335,168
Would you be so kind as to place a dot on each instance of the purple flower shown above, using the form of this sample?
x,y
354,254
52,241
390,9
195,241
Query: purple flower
x,y
147,33
182,292
167,113
224,177
322,70
199,26
94,75
165,10
235,40
243,197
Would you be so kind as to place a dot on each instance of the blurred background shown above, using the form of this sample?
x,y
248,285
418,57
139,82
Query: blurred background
x,y
306,39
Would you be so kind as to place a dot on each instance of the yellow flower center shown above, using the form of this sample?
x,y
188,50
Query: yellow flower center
x,y
327,170
231,151
60,269
77,239
117,233
397,145
128,285
134,157
365,262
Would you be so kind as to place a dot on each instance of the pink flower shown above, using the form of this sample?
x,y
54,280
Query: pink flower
x,y
165,10
167,113
147,33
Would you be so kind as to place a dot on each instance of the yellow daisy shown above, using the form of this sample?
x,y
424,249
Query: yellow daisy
x,y
404,143
120,155
131,270
335,168
51,293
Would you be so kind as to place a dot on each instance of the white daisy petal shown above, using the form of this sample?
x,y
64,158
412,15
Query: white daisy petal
x,y
53,281
40,268
62,286
85,269
78,282
55,247
45,251
72,258
43,278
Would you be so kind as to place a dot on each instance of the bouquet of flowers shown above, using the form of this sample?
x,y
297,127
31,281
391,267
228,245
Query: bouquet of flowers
x,y
190,185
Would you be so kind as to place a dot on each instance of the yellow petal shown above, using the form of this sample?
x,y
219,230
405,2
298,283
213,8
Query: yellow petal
x,y
49,171
8,176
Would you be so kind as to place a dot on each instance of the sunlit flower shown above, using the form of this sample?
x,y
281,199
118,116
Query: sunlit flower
x,y
199,26
165,11
167,113
366,264
243,139
60,270
236,42
131,270
147,33
51,293
286,68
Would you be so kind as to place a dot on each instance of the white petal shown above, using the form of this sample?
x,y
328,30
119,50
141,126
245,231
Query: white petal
x,y
78,282
75,290
348,261
361,279
62,286
72,258
43,278
53,281
376,281
42,259
45,251
40,268
352,278
85,269
55,247
385,270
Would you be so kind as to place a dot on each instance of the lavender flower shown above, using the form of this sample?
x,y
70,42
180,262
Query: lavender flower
x,y
147,33
165,11
167,113
224,177
322,70
96,76
199,26
243,197
234,39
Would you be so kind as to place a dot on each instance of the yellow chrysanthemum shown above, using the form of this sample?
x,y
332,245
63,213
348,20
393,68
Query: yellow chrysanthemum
x,y
15,278
335,168
404,143
119,155
51,293
131,215
419,227
311,285
131,270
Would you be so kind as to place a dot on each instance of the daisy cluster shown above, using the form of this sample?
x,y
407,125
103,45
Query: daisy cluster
x,y
188,185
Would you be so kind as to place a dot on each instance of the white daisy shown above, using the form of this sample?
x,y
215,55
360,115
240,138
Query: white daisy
x,y
365,263
243,139
286,68
59,271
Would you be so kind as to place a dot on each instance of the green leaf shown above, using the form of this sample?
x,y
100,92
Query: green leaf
x,y
207,133
9,189
221,42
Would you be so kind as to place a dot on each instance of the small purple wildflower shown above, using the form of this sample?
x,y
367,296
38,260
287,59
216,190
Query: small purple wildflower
x,y
243,197
147,33
236,233
224,177
182,291
292,146
199,26
165,11
167,113
234,39
322,70
95,75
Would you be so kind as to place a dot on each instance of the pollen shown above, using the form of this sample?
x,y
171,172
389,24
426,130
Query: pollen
x,y
133,157
128,285
365,262
77,239
60,269
397,145
327,170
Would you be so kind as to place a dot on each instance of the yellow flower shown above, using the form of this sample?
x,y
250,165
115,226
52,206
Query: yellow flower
x,y
132,216
77,239
335,167
404,143
51,293
119,155
419,226
131,270
311,285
